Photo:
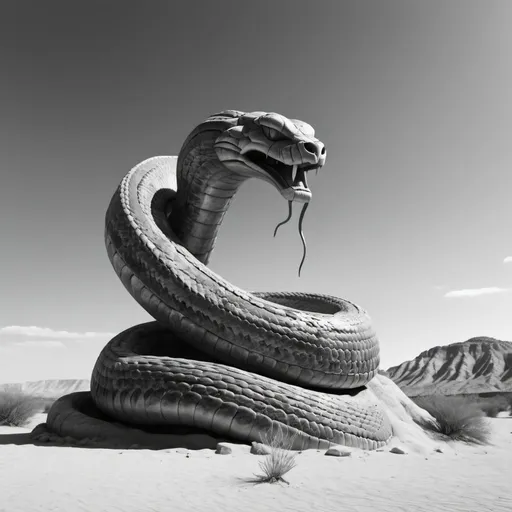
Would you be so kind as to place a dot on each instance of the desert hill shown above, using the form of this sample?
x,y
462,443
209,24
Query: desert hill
x,y
478,365
48,388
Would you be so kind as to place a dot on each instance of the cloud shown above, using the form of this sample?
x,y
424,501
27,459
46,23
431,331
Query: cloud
x,y
508,259
476,292
40,344
32,353
44,332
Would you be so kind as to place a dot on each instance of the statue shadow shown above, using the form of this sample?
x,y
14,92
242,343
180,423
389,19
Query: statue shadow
x,y
172,441
77,423
17,438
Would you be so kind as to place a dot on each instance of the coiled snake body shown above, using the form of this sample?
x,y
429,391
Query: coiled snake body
x,y
218,357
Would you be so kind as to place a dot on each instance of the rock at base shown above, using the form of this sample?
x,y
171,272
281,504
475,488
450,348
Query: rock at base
x,y
223,449
260,449
338,451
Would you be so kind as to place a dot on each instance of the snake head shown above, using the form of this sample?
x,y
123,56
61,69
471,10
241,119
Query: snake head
x,y
272,147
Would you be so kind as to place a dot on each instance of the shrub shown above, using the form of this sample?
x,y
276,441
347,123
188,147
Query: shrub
x,y
17,408
281,458
490,410
456,418
492,405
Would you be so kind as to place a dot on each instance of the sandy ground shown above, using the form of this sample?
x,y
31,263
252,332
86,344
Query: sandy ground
x,y
462,478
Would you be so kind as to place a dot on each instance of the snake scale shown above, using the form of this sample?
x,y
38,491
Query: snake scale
x,y
217,357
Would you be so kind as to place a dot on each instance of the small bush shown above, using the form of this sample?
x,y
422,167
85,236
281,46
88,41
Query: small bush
x,y
492,405
490,410
17,408
456,418
281,458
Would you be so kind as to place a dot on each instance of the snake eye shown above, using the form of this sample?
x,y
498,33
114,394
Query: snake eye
x,y
272,134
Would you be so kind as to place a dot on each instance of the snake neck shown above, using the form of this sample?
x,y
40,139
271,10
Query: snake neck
x,y
205,189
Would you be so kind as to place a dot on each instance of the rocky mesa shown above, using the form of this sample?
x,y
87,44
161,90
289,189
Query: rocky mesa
x,y
478,365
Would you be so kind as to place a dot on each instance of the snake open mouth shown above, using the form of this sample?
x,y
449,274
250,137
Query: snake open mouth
x,y
287,176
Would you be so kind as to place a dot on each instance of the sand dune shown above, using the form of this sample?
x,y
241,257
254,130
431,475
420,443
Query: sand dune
x,y
431,476
462,478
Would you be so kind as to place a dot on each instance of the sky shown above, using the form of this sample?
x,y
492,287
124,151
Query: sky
x,y
410,217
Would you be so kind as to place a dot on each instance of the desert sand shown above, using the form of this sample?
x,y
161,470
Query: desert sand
x,y
431,476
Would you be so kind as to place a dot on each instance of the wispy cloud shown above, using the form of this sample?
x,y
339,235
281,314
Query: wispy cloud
x,y
44,332
508,259
40,344
476,292
33,353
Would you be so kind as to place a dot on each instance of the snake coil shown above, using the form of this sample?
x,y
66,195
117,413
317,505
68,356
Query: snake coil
x,y
217,357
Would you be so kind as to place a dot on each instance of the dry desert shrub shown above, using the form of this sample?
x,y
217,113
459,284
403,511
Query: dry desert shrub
x,y
17,408
490,410
457,418
281,458
492,405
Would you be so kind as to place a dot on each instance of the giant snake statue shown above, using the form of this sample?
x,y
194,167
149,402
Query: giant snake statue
x,y
218,358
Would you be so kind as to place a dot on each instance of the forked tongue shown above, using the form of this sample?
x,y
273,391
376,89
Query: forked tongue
x,y
285,220
301,218
299,177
